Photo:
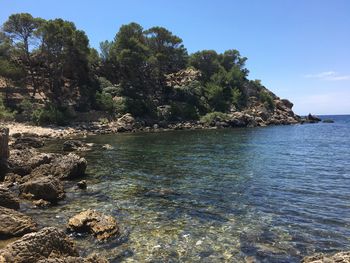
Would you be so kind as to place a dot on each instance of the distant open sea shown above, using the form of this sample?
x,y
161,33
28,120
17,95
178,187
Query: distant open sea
x,y
274,194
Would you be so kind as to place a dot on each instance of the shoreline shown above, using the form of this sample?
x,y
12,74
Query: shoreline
x,y
130,126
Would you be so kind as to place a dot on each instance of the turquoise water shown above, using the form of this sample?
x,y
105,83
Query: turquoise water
x,y
274,194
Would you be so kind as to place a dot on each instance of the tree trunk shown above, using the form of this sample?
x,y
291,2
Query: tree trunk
x,y
4,151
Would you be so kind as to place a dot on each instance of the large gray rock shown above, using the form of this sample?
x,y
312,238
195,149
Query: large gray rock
x,y
8,199
91,221
64,167
14,223
47,188
47,243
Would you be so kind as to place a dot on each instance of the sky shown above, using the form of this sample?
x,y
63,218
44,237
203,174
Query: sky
x,y
299,49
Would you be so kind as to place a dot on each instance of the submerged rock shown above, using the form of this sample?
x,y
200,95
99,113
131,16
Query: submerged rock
x,y
74,145
90,221
47,243
14,223
82,185
47,188
328,121
8,199
341,257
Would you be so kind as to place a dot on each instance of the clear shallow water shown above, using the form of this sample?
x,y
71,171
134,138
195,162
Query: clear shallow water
x,y
274,194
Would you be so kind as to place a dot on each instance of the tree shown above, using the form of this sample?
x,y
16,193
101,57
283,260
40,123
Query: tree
x,y
22,29
207,61
167,49
65,56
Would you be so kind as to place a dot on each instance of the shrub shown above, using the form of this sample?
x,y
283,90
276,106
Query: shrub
x,y
212,117
183,111
51,115
6,114
105,102
267,99
237,98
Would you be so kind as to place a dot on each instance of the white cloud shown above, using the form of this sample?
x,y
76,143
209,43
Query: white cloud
x,y
328,75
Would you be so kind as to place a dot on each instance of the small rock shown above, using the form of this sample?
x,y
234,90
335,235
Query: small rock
x,y
41,203
98,224
73,145
82,184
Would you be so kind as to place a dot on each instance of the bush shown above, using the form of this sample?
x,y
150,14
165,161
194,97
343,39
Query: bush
x,y
267,99
183,111
51,115
105,102
212,117
5,114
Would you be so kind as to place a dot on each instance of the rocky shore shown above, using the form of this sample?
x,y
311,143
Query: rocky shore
x,y
256,115
29,176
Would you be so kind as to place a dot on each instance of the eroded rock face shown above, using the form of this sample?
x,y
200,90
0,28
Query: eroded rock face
x,y
341,257
14,223
47,243
98,224
64,167
8,199
47,188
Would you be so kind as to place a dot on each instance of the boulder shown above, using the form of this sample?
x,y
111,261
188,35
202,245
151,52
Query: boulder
x,y
287,103
8,199
14,223
43,245
90,221
64,167
312,118
23,161
47,188
126,123
341,257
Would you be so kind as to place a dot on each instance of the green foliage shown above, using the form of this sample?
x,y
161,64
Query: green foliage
x,y
267,99
129,74
51,115
181,111
105,102
212,117
215,95
237,98
5,114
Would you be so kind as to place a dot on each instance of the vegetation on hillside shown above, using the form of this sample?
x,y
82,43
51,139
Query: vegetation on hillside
x,y
131,73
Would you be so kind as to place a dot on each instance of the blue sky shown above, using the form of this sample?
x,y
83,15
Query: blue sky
x,y
300,49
